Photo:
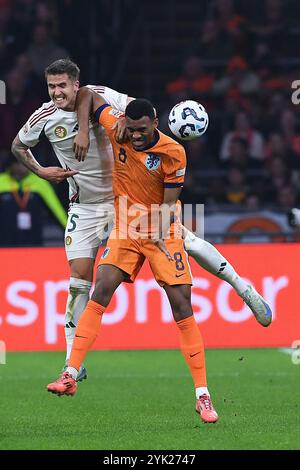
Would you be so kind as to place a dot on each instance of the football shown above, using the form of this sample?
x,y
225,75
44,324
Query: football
x,y
188,120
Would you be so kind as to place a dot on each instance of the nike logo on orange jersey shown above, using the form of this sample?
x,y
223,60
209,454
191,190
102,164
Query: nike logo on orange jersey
x,y
179,275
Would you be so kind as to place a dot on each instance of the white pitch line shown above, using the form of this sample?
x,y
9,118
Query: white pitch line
x,y
288,351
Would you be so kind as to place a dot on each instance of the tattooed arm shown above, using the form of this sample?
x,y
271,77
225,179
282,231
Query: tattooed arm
x,y
54,174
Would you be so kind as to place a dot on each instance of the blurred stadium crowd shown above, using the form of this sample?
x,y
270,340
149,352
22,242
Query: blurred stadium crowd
x,y
238,58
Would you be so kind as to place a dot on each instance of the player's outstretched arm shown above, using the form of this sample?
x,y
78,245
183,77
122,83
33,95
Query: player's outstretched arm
x,y
87,102
55,174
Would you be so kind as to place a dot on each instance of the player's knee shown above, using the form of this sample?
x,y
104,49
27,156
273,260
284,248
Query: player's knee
x,y
82,269
86,276
193,244
182,309
103,292
182,314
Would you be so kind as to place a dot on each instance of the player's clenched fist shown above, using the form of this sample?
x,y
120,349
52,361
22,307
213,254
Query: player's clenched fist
x,y
81,146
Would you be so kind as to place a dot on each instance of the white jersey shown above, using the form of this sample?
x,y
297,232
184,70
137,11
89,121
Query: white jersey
x,y
94,182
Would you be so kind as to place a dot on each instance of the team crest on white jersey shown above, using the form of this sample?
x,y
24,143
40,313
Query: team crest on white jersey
x,y
60,132
152,161
68,240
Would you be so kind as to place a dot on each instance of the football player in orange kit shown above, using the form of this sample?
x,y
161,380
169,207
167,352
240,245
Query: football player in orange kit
x,y
147,179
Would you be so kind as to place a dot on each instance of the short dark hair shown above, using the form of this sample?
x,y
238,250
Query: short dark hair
x,y
138,108
61,66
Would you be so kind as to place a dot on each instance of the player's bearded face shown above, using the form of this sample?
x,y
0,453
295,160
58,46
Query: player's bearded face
x,y
141,132
62,90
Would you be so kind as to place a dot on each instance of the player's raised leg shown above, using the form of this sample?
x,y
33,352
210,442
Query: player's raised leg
x,y
210,259
108,279
192,347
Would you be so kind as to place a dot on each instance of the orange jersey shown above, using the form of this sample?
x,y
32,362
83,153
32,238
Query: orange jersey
x,y
142,176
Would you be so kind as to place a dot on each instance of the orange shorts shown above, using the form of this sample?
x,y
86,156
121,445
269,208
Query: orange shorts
x,y
129,255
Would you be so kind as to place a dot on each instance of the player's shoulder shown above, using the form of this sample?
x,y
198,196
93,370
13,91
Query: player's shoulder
x,y
100,89
107,115
171,146
167,140
42,114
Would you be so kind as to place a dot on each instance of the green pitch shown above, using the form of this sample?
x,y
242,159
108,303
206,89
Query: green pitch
x,y
145,400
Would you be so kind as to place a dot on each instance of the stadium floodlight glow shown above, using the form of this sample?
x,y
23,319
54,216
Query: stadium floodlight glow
x,y
2,92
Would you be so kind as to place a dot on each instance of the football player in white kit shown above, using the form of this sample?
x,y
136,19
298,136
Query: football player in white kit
x,y
90,183
91,196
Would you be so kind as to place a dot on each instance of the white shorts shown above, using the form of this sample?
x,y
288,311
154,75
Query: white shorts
x,y
87,227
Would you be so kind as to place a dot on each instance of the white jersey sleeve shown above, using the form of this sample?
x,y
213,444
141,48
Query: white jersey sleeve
x,y
114,98
30,133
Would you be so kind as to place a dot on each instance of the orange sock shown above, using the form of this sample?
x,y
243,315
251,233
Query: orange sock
x,y
86,332
192,348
